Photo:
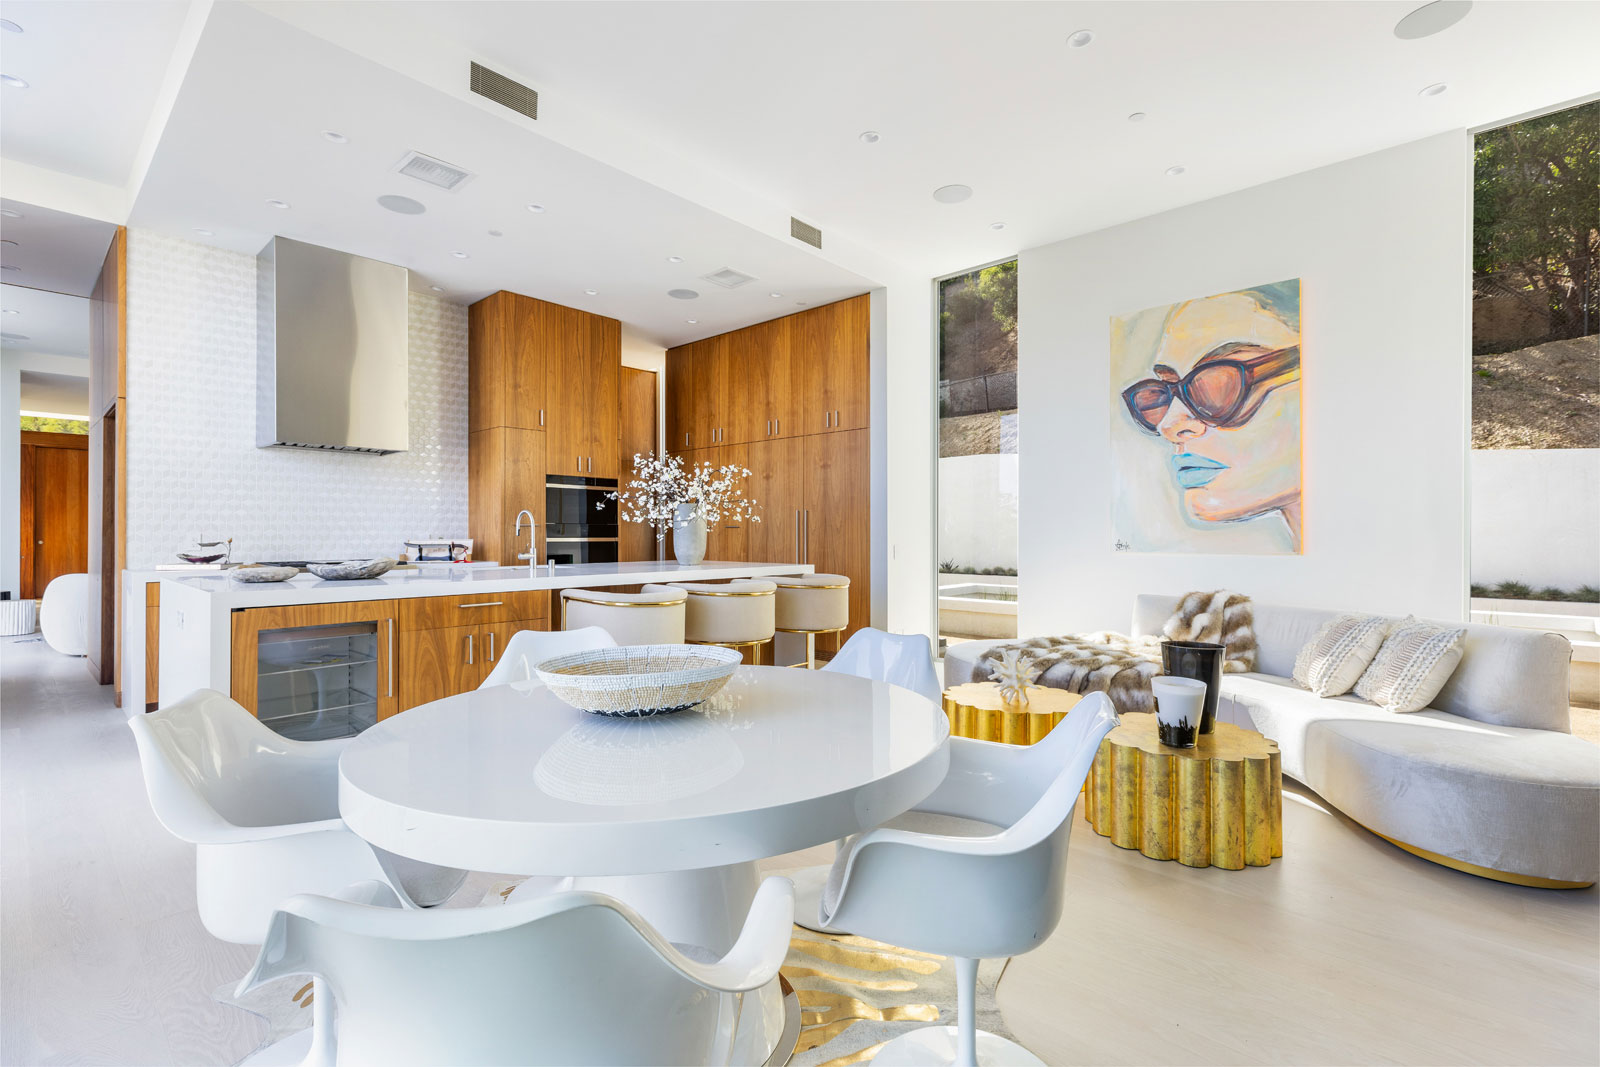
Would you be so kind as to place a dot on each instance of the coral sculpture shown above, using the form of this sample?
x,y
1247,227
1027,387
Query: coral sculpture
x,y
1015,672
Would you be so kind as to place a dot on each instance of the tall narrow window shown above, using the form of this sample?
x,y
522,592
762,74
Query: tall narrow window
x,y
977,545
1535,460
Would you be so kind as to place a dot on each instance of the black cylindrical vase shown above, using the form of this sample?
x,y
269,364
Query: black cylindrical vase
x,y
1201,661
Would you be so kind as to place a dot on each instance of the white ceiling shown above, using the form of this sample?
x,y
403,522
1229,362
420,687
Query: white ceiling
x,y
54,250
988,94
94,69
55,394
53,323
229,146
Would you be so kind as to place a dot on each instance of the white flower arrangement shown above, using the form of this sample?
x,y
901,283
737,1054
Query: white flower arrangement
x,y
661,483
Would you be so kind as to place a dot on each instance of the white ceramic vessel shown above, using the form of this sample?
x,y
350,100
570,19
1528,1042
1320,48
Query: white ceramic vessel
x,y
688,536
1179,705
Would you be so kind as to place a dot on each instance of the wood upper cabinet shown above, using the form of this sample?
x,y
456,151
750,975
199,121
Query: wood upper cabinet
x,y
715,420
506,363
777,483
770,383
583,362
679,401
836,521
833,344
605,398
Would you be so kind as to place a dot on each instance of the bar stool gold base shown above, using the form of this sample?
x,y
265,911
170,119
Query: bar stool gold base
x,y
811,645
739,646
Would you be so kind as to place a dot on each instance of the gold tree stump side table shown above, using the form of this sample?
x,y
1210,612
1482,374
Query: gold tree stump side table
x,y
1219,804
976,711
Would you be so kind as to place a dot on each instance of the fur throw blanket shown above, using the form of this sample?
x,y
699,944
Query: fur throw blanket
x,y
1121,666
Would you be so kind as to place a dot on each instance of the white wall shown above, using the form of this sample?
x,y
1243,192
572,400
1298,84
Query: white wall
x,y
978,522
193,468
1382,246
904,384
12,364
1536,516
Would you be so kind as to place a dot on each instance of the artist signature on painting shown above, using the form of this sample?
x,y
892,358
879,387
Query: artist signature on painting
x,y
1122,546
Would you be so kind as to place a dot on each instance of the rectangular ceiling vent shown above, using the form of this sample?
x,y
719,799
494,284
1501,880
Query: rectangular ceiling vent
x,y
804,231
728,278
435,172
505,92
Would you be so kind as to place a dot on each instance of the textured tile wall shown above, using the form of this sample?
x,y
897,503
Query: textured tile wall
x,y
194,471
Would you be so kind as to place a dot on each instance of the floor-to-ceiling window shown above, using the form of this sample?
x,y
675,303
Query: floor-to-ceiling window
x,y
1535,463
977,537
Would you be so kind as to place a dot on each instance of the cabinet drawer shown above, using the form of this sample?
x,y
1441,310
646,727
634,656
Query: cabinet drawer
x,y
441,612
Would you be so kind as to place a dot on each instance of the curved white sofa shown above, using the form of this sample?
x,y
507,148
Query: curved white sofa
x,y
1489,780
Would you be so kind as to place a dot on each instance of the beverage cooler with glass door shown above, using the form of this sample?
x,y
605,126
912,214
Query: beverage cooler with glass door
x,y
316,671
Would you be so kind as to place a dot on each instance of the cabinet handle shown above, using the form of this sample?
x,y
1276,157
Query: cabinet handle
x,y
391,656
491,646
778,425
685,440
797,535
769,427
836,416
469,650
590,468
579,461
541,417
808,537
483,604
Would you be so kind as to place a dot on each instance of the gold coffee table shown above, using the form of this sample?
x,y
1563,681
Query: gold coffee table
x,y
1219,804
976,710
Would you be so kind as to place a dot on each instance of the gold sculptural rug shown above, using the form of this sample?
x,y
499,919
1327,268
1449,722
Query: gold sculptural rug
x,y
855,994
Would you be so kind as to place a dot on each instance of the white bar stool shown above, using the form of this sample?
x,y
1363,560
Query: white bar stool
x,y
813,604
739,614
653,617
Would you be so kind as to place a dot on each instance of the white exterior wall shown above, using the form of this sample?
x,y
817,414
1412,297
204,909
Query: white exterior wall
x,y
978,511
1536,516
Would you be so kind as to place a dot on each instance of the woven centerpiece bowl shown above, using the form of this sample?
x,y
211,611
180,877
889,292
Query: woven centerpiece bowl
x,y
639,680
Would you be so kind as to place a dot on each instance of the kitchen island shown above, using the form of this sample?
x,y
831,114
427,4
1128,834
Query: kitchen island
x,y
406,615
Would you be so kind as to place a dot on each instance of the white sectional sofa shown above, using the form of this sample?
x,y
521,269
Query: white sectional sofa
x,y
1489,780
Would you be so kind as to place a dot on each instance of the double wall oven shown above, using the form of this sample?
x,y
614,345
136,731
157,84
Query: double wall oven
x,y
580,519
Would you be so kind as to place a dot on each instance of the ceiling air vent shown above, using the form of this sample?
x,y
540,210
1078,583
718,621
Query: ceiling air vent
x,y
505,92
728,278
436,172
804,231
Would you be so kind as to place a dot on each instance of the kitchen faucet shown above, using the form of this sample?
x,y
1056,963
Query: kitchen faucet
x,y
533,542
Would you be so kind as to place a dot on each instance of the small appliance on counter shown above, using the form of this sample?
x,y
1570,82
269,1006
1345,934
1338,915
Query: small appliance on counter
x,y
438,550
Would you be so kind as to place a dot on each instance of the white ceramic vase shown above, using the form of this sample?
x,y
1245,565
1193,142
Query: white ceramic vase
x,y
1179,705
688,535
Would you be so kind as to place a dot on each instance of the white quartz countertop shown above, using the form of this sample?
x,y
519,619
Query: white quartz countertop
x,y
309,589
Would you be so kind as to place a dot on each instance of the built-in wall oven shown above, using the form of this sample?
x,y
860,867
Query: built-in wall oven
x,y
580,519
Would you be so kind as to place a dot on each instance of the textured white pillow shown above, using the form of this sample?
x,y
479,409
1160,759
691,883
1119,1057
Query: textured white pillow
x,y
1333,661
1416,659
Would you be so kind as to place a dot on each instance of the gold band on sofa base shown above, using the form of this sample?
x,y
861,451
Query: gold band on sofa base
x,y
1463,866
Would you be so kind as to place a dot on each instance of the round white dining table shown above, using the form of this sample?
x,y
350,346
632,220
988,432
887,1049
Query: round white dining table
x,y
669,813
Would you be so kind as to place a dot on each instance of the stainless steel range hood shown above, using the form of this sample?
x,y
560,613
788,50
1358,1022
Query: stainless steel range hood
x,y
331,350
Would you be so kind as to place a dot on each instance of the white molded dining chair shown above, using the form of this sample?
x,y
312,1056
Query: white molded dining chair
x,y
529,648
263,814
905,660
973,897
570,978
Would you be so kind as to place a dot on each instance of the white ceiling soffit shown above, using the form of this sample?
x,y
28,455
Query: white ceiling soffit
x,y
53,250
229,147
95,71
773,97
55,394
52,323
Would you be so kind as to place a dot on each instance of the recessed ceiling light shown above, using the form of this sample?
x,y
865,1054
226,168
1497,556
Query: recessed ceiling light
x,y
13,337
205,233
8,213
537,209
1175,170
1430,19
12,243
401,205
674,259
1137,116
335,136
496,233
1079,38
13,81
871,136
799,303
437,288
10,311
691,322
1433,90
9,26
9,267
682,294
591,292
281,204
460,255
997,225
776,296
952,194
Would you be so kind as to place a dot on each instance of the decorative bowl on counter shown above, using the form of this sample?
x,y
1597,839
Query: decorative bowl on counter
x,y
639,680
256,572
350,570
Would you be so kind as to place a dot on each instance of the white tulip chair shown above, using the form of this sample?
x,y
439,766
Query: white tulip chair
x,y
973,897
570,978
905,660
529,648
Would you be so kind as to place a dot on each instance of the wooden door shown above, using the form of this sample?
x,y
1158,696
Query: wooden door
x,y
250,624
712,400
603,356
637,541
680,399
777,484
834,344
568,388
836,520
54,501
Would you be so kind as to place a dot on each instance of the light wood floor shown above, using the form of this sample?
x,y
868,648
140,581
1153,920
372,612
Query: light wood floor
x,y
1345,951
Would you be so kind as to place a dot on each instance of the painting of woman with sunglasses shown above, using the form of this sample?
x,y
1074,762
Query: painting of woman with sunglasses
x,y
1210,388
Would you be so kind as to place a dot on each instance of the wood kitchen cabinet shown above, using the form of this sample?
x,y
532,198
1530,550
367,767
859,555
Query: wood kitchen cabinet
x,y
438,663
505,363
333,659
773,383
635,540
778,485
833,343
836,522
505,473
583,365
717,420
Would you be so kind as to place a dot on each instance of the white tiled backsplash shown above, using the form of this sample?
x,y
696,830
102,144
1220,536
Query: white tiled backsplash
x,y
194,471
